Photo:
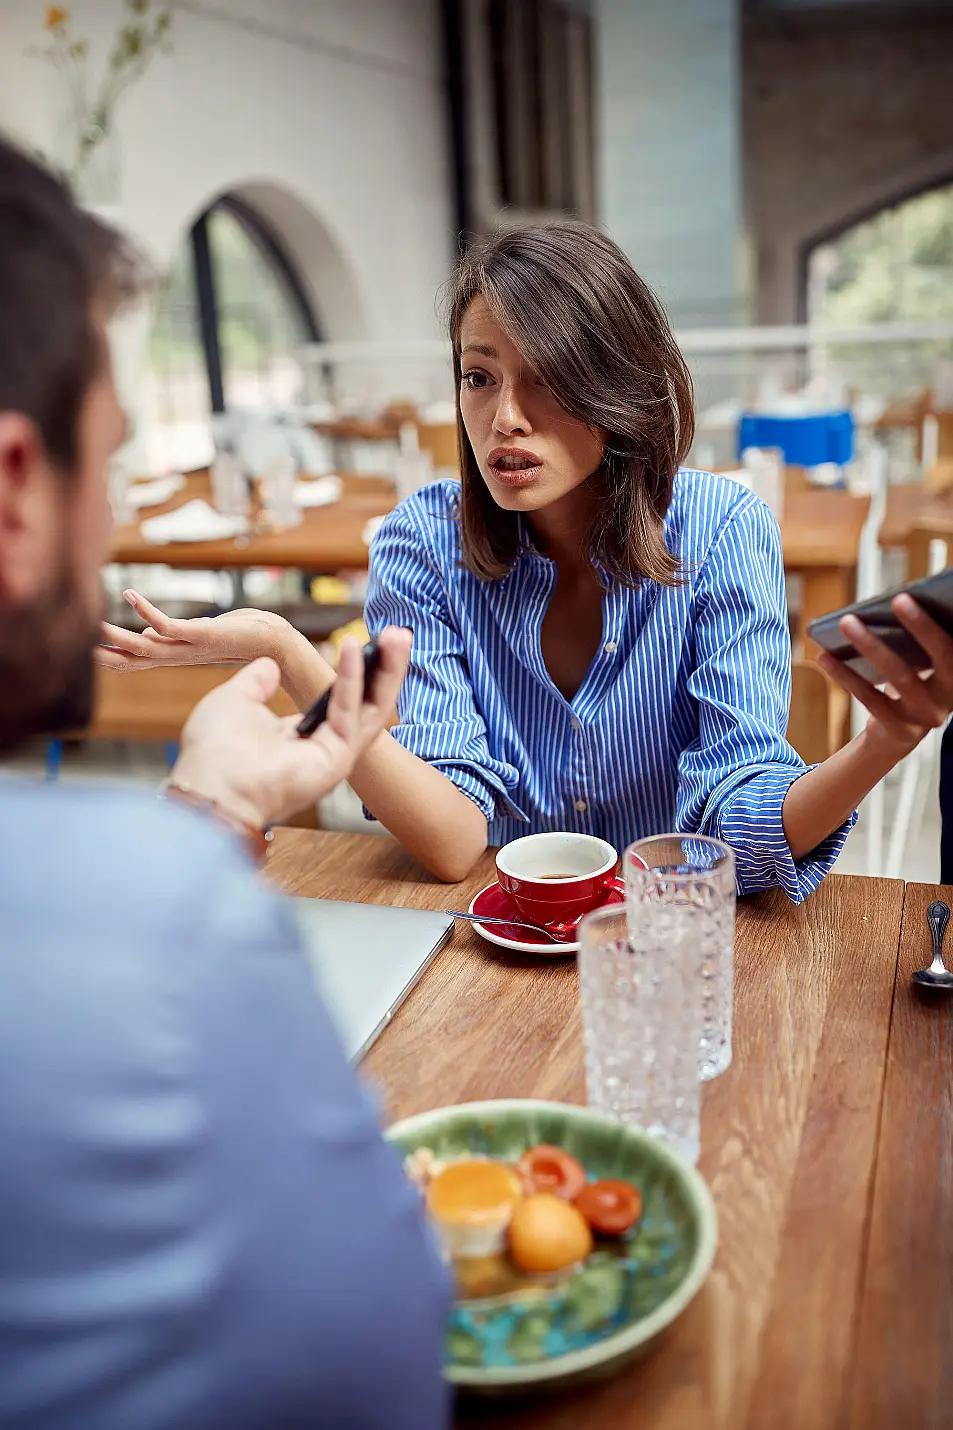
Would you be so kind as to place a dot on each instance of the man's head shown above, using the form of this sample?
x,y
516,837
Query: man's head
x,y
62,276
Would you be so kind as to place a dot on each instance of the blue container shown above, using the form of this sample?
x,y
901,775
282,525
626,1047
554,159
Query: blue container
x,y
804,441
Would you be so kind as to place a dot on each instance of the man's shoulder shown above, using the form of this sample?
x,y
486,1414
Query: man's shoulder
x,y
75,854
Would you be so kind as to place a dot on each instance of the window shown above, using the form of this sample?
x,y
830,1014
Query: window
x,y
521,85
231,315
894,267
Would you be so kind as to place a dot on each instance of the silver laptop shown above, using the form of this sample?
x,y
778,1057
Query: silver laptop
x,y
367,958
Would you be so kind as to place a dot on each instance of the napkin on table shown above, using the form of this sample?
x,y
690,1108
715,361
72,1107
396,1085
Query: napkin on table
x,y
325,491
154,493
195,521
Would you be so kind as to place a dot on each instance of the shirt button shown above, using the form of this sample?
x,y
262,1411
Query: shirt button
x,y
611,647
581,806
576,723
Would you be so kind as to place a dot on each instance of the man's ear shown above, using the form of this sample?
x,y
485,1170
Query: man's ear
x,y
28,510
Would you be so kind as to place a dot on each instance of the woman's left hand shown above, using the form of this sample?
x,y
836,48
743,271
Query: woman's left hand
x,y
919,702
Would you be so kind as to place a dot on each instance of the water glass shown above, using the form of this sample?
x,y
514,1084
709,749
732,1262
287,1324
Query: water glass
x,y
230,493
640,1030
680,897
278,493
123,511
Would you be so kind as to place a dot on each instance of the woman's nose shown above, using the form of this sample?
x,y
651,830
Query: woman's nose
x,y
510,417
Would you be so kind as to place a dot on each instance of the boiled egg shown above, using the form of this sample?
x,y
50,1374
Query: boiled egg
x,y
471,1204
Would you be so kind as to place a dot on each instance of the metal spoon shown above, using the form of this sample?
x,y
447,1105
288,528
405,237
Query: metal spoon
x,y
937,976
522,924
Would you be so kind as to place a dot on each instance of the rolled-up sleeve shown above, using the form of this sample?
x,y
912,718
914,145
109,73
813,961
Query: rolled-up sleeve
x,y
734,777
438,718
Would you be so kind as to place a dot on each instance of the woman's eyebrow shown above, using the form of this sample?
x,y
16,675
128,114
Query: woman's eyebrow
x,y
485,348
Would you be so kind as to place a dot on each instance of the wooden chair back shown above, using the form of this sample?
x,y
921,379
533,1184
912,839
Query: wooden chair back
x,y
919,545
439,440
813,723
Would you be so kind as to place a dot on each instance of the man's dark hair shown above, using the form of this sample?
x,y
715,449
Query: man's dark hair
x,y
57,263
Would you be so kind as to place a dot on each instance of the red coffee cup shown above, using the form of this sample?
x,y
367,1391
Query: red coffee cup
x,y
554,879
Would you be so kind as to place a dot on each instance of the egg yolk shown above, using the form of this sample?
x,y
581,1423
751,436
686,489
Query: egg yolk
x,y
473,1191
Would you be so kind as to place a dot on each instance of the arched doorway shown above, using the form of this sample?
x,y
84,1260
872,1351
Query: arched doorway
x,y
230,316
894,266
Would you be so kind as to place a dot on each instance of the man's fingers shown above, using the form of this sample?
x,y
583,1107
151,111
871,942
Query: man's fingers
x,y
395,645
258,681
347,692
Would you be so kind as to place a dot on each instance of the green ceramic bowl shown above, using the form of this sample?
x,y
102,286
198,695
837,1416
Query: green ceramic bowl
x,y
617,1305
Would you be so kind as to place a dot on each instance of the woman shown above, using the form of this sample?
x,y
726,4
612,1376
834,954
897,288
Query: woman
x,y
600,637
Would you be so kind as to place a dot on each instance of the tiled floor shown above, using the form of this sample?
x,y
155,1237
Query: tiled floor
x,y
145,766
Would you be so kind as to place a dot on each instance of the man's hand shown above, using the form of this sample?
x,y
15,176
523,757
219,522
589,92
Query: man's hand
x,y
254,765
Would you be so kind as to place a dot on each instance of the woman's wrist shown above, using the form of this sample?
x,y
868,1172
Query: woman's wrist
x,y
305,674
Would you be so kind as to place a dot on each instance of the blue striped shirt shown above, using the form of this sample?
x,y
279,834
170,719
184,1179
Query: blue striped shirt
x,y
680,720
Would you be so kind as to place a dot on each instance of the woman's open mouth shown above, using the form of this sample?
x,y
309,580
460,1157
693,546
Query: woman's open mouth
x,y
514,466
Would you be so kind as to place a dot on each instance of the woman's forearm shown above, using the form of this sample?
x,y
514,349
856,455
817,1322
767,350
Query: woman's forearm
x,y
822,800
433,819
437,823
305,674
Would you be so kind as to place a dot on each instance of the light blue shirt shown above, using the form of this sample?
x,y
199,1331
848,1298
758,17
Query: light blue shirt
x,y
679,723
200,1225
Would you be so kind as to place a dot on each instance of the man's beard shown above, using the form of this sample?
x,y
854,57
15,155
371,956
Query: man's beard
x,y
46,666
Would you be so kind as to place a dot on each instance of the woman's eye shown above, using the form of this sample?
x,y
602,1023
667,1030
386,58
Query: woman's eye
x,y
475,379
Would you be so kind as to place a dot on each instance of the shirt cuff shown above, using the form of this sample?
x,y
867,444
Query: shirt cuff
x,y
750,823
486,790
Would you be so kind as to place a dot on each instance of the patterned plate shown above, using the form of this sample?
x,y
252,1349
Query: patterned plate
x,y
618,1303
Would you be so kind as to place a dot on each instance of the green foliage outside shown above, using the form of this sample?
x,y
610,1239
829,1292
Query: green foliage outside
x,y
895,267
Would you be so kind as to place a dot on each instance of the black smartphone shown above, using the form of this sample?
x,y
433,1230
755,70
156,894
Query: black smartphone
x,y
933,593
317,713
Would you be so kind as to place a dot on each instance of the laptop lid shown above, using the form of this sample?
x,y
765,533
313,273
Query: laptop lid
x,y
367,958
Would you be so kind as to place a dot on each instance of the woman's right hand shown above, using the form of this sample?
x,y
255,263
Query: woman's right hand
x,y
236,636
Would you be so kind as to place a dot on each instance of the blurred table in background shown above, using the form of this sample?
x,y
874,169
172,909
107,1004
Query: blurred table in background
x,y
328,539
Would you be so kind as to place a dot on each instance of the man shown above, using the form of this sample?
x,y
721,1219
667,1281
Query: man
x,y
200,1225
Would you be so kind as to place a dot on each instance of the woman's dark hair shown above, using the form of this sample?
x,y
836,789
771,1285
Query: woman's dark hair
x,y
571,302
57,263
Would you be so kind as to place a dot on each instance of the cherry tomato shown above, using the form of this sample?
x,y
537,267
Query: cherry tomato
x,y
610,1207
550,1169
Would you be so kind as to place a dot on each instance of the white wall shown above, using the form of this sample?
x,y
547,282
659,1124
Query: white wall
x,y
335,106
668,135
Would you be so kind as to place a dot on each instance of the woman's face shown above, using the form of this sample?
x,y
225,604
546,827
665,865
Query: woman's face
x,y
529,450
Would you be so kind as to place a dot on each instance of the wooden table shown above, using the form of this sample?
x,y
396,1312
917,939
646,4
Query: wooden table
x,y
329,538
824,1305
903,1373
